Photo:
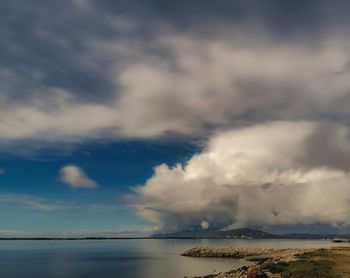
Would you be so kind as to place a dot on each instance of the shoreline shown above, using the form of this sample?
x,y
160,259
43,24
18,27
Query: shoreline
x,y
330,262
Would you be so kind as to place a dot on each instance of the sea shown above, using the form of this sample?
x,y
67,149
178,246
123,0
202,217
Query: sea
x,y
132,258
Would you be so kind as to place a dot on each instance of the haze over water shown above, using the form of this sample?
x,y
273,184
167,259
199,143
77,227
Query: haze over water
x,y
123,258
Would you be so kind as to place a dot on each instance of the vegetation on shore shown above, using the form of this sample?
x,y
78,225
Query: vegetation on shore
x,y
315,264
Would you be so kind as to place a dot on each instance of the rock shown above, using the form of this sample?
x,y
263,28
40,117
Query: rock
x,y
275,275
255,272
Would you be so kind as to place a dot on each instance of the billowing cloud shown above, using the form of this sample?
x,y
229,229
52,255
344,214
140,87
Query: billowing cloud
x,y
76,177
266,174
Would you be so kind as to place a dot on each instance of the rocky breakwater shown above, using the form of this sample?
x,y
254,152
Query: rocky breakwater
x,y
259,255
251,254
228,252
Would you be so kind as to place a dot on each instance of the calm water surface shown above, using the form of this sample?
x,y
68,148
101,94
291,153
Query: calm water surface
x,y
122,258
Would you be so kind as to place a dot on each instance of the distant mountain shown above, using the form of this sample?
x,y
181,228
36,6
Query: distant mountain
x,y
314,236
244,233
190,233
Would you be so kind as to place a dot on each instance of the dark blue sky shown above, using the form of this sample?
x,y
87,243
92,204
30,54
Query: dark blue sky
x,y
33,180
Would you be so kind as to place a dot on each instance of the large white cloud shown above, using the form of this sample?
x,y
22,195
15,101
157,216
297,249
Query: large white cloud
x,y
266,174
76,177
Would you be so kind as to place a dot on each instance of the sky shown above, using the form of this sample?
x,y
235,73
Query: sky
x,y
125,118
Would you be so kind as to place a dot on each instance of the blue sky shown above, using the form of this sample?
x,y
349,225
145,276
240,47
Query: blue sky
x,y
37,202
131,117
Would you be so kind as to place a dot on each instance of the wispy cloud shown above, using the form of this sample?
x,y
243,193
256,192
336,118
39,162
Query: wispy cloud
x,y
2,171
141,232
12,233
76,177
41,204
31,202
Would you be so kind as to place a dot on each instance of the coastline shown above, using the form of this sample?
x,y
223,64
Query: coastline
x,y
332,262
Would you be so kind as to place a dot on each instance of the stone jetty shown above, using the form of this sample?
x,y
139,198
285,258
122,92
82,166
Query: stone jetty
x,y
259,255
252,254
229,252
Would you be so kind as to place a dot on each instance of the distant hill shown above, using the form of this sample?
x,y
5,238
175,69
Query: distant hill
x,y
244,233
314,236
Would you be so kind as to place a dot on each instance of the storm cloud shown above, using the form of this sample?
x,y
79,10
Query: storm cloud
x,y
105,73
253,176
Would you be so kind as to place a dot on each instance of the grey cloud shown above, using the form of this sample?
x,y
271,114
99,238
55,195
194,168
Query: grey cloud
x,y
40,47
91,70
328,146
284,19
